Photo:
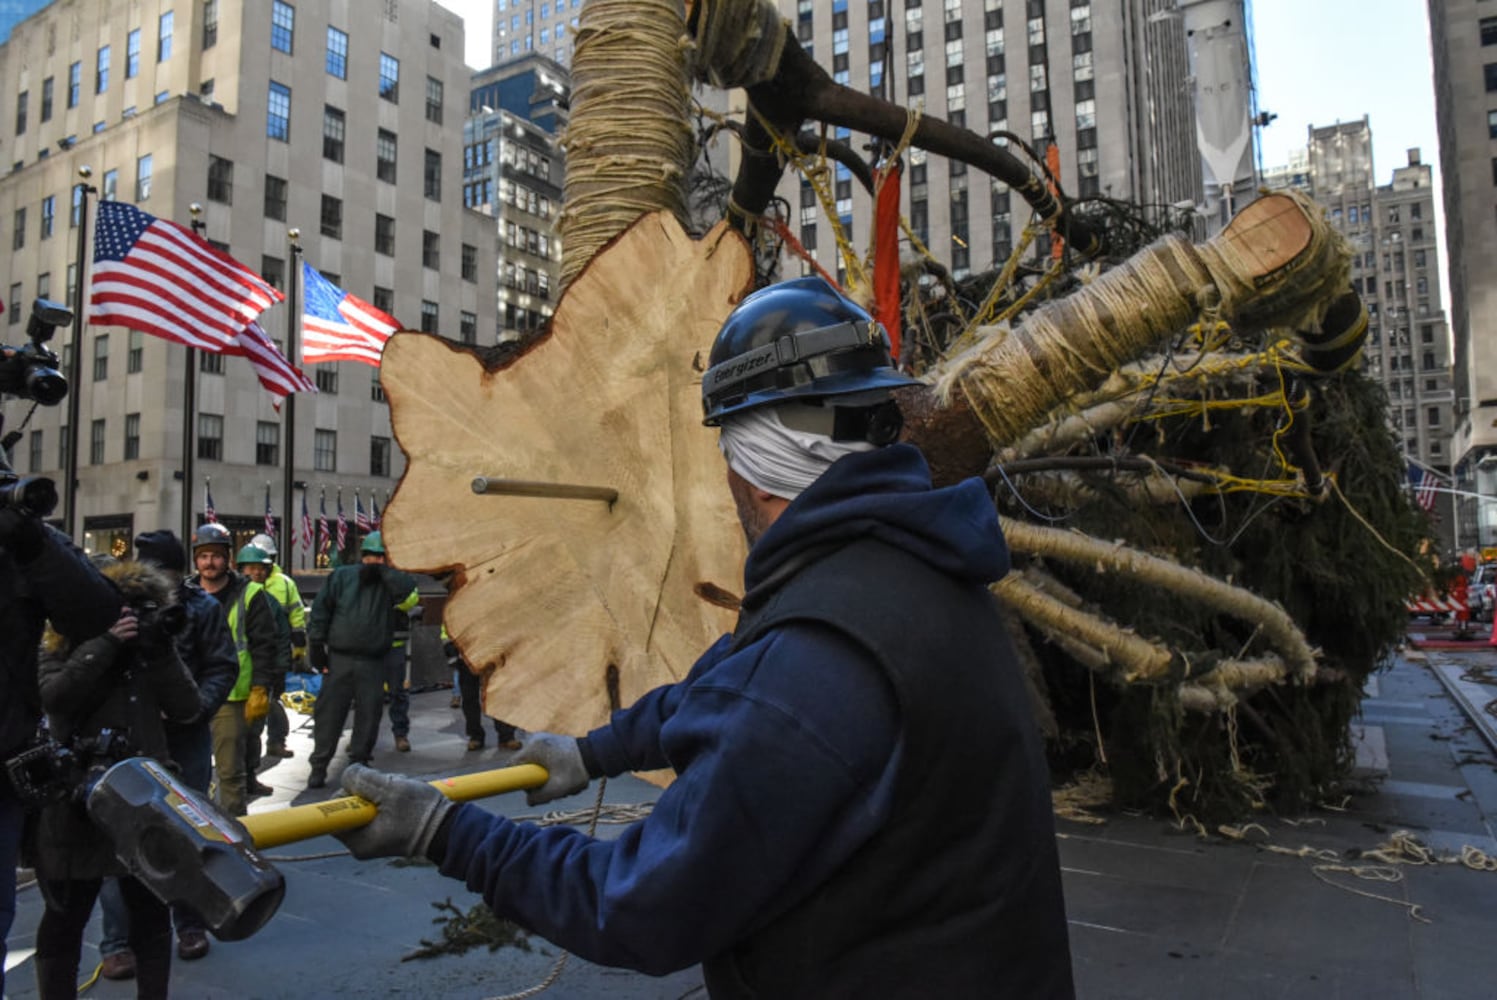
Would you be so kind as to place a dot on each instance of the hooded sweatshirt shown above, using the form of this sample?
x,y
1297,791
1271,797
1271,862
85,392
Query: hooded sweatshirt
x,y
787,749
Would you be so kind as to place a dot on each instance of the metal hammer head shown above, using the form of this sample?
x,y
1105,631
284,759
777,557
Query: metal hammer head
x,y
184,849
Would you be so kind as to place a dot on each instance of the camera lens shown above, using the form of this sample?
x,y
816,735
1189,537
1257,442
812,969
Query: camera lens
x,y
46,385
35,495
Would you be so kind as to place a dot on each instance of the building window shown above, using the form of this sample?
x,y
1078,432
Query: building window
x,y
111,188
273,270
334,126
278,112
470,262
75,214
75,83
384,156
327,380
325,451
135,354
132,54
132,436
47,99
96,443
165,24
379,456
332,217
17,241
1490,72
101,357
434,100
376,391
282,26
275,198
384,235
431,250
432,175
15,304
210,436
21,100
267,443
467,327
389,77
210,23
143,178
34,447
49,215
337,53
428,316
101,70
210,363
220,179
384,300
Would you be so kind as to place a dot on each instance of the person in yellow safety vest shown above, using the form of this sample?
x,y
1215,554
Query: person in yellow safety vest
x,y
254,563
283,588
397,690
253,629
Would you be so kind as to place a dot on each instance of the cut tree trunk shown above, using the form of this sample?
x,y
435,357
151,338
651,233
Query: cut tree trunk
x,y
571,606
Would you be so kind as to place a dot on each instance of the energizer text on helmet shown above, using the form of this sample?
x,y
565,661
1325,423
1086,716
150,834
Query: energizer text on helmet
x,y
778,459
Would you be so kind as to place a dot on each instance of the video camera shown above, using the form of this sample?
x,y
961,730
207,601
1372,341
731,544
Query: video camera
x,y
158,622
50,771
31,372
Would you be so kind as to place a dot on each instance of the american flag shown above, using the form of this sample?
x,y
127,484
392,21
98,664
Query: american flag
x,y
279,376
160,278
210,516
1424,483
338,326
306,523
374,518
323,537
269,516
360,518
342,522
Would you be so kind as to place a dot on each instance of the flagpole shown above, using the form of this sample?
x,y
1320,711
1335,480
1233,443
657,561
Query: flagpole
x,y
75,362
189,403
293,325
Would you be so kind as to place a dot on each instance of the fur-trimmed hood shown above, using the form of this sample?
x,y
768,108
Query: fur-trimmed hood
x,y
137,583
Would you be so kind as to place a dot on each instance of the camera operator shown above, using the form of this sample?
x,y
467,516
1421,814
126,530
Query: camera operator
x,y
106,699
42,576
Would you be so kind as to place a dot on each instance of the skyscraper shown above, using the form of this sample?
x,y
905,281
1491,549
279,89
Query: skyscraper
x,y
545,27
1463,35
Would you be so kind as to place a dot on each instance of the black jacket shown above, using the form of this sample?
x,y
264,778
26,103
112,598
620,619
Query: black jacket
x,y
208,650
60,584
102,684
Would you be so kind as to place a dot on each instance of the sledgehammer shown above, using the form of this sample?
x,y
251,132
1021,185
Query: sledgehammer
x,y
178,843
285,826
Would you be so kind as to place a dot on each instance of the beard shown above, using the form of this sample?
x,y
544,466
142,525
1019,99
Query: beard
x,y
754,520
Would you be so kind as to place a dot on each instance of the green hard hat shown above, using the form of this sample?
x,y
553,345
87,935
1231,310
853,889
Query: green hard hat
x,y
253,554
373,542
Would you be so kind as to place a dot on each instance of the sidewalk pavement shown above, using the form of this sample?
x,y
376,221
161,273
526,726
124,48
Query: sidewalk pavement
x,y
1154,912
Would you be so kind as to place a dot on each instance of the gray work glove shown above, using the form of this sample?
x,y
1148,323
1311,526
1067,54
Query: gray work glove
x,y
559,755
410,811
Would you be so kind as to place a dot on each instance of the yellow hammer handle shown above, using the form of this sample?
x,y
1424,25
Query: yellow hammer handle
x,y
285,826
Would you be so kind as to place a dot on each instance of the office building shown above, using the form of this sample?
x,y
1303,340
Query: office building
x,y
342,121
1463,36
512,171
545,27
1106,83
1395,268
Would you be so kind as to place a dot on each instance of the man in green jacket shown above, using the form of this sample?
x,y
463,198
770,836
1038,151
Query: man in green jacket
x,y
349,634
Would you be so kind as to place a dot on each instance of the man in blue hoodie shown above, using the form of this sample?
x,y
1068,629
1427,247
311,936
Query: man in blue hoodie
x,y
861,805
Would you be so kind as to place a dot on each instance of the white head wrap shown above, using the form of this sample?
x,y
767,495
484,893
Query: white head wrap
x,y
778,459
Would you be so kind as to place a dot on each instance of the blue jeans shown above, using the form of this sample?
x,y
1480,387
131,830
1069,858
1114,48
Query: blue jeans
x,y
191,747
12,821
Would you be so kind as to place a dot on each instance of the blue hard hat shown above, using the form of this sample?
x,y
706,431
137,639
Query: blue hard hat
x,y
799,340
